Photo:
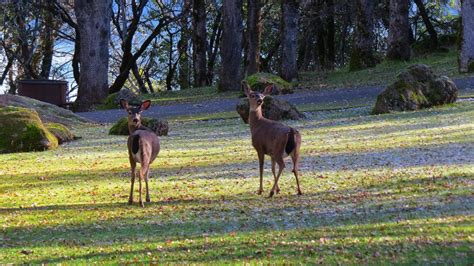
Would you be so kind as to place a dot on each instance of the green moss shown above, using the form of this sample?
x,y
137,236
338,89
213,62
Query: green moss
x,y
259,81
61,132
120,127
21,130
160,127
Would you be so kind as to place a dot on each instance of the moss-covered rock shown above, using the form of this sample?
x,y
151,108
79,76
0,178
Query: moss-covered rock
x,y
21,130
113,100
418,87
61,132
273,108
259,81
160,127
47,112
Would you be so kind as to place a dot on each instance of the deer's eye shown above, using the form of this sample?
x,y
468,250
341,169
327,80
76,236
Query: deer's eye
x,y
129,112
252,95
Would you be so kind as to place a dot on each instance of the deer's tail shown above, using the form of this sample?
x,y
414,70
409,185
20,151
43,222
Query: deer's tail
x,y
291,143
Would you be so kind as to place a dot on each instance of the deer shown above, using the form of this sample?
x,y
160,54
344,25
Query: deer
x,y
271,138
143,147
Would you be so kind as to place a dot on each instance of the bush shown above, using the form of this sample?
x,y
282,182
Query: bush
x,y
61,132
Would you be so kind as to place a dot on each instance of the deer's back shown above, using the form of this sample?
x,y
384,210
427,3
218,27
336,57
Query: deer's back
x,y
144,145
270,136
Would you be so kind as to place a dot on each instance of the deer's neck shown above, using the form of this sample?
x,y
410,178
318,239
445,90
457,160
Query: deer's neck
x,y
132,128
255,116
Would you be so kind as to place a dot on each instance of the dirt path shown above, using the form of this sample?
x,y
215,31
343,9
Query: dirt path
x,y
360,94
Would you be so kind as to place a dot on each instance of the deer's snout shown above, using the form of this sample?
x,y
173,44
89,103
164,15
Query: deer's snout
x,y
135,120
259,101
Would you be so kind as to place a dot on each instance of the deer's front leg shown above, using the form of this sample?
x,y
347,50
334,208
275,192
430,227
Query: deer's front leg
x,y
261,159
133,166
281,166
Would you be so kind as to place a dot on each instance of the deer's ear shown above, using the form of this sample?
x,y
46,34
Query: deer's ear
x,y
123,103
145,105
245,88
268,90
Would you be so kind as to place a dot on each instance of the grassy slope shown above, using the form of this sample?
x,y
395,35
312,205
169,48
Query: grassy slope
x,y
391,188
384,73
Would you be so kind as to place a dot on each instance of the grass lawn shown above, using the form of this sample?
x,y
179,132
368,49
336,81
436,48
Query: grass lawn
x,y
394,188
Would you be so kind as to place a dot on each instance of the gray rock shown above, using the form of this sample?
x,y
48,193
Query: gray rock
x,y
419,87
273,108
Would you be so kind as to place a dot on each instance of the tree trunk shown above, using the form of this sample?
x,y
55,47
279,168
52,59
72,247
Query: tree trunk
x,y
231,46
362,55
466,56
330,35
93,20
199,43
254,33
183,48
429,26
399,31
289,68
213,48
48,37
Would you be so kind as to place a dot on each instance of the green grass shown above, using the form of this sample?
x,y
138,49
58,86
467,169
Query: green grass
x,y
189,95
442,63
395,188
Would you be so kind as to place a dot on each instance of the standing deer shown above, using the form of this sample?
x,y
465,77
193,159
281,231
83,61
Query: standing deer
x,y
271,138
143,146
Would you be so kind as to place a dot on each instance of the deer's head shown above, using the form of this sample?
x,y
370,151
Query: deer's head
x,y
134,112
255,97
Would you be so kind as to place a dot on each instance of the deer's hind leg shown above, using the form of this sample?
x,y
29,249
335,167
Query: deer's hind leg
x,y
274,175
146,183
295,157
133,166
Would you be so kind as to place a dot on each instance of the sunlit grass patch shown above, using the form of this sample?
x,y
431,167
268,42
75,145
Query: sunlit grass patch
x,y
395,188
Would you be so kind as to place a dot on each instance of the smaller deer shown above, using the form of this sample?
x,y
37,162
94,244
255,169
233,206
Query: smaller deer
x,y
271,138
143,147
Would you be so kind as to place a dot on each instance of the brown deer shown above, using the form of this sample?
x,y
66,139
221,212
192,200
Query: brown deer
x,y
143,146
271,138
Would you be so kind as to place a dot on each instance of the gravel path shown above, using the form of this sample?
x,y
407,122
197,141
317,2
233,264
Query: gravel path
x,y
341,95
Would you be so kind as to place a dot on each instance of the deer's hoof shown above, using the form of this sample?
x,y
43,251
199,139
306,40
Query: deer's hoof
x,y
142,204
260,191
148,200
130,202
300,193
271,194
277,190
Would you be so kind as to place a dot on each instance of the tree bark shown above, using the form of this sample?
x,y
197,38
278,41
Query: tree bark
x,y
330,35
183,48
399,31
429,26
466,56
289,68
254,33
231,46
93,20
213,47
362,55
199,43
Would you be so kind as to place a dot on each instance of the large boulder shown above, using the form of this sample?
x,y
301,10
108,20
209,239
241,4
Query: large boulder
x,y
61,132
21,130
160,127
47,112
259,81
273,108
113,100
419,87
